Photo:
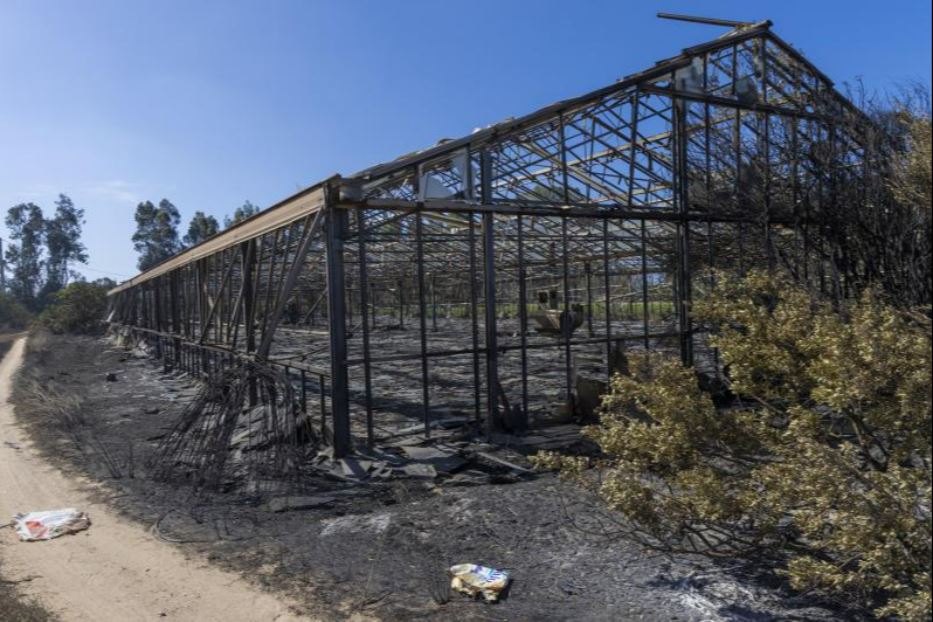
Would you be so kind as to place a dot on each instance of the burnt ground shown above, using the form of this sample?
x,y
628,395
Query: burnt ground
x,y
376,549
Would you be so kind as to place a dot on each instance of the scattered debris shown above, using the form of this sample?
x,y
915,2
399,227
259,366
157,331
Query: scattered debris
x,y
419,470
11,444
476,580
511,465
243,425
352,467
356,523
503,478
550,437
382,472
444,423
554,320
469,477
441,460
569,587
49,524
288,504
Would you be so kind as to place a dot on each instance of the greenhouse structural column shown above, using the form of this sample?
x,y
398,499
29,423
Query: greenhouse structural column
x,y
336,307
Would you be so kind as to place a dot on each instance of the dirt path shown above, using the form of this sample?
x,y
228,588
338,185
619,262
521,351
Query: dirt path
x,y
115,571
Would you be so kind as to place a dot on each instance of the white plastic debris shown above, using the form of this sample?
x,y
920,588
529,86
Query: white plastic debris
x,y
50,524
472,580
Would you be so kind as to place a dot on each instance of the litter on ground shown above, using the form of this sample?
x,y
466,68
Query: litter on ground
x,y
50,524
471,579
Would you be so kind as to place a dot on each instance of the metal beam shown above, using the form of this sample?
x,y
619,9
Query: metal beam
x,y
340,400
311,228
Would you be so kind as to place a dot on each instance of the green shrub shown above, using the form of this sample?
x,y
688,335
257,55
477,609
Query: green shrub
x,y
13,315
823,459
78,308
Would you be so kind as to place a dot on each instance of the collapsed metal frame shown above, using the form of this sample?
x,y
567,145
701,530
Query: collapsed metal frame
x,y
621,201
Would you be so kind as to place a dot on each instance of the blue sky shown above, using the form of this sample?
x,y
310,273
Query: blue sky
x,y
212,103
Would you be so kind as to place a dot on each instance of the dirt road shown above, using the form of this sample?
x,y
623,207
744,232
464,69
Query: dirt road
x,y
115,571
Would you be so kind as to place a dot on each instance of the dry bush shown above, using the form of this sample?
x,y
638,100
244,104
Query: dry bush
x,y
823,459
912,170
880,233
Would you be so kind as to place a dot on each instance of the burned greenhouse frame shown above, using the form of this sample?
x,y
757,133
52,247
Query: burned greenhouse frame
x,y
502,276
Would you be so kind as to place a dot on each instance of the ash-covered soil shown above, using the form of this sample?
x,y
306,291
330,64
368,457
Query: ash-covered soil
x,y
376,550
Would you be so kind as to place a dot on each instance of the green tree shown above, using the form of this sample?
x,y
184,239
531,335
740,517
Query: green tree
x,y
27,229
63,241
241,213
13,315
79,308
156,236
200,228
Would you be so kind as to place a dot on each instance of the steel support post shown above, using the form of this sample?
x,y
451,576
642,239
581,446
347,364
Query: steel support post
x,y
422,325
203,305
248,250
588,269
607,298
474,319
523,311
645,310
566,321
433,303
364,317
401,303
708,186
489,284
336,226
160,323
683,297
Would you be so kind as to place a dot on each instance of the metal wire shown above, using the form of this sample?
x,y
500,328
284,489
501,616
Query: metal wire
x,y
221,441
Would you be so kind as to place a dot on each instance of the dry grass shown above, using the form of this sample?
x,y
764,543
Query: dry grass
x,y
55,406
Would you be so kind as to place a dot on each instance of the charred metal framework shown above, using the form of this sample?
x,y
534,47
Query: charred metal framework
x,y
408,290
